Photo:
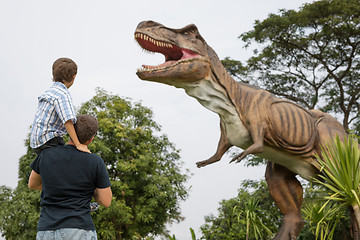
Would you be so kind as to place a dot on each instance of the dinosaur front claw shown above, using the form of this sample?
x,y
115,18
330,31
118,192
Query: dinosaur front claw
x,y
211,160
239,157
202,163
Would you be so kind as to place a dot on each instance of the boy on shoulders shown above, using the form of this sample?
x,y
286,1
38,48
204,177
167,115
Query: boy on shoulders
x,y
55,114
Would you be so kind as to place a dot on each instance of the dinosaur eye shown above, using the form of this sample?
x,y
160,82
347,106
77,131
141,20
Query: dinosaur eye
x,y
190,32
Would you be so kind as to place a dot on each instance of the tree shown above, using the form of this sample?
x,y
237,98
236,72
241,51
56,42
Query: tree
x,y
144,168
20,208
310,56
147,183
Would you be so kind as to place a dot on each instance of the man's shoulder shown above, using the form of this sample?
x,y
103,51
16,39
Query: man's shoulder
x,y
95,157
71,153
73,150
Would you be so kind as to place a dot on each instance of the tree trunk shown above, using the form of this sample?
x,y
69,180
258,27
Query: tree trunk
x,y
355,222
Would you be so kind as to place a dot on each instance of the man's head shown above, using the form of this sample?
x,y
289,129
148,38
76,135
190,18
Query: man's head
x,y
86,128
64,70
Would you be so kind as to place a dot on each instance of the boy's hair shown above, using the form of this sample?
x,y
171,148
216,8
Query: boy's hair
x,y
63,70
86,127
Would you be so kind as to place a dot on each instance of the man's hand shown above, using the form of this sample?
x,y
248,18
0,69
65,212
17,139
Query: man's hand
x,y
71,130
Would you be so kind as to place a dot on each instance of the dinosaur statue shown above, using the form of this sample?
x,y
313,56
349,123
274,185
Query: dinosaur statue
x,y
250,118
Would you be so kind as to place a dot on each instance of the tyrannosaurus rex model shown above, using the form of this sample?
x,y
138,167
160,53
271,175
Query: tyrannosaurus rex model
x,y
250,118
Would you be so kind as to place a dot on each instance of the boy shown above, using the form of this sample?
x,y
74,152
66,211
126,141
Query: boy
x,y
55,114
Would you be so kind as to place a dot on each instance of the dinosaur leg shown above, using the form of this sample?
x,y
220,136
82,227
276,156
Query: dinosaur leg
x,y
354,227
223,146
286,191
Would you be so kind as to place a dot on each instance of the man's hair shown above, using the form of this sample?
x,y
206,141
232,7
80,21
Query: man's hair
x,y
86,127
63,70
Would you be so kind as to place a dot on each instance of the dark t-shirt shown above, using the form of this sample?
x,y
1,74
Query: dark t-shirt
x,y
69,179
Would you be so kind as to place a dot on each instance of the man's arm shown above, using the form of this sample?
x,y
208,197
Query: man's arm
x,y
103,196
35,181
71,130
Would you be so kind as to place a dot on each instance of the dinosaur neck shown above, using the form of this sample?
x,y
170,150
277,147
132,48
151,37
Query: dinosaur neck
x,y
211,95
218,91
235,91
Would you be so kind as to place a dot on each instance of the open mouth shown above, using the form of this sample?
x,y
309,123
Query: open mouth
x,y
173,54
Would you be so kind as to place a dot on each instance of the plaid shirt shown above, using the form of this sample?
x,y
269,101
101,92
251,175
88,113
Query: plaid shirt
x,y
54,109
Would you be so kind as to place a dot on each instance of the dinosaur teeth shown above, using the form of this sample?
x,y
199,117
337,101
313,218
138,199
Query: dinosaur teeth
x,y
163,66
141,36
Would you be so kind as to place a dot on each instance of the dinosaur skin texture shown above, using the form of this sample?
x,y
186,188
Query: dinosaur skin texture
x,y
250,118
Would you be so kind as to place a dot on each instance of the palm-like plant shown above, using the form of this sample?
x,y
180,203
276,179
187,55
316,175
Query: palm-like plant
x,y
323,219
254,223
339,166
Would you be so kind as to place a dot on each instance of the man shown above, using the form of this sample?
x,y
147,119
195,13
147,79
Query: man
x,y
69,179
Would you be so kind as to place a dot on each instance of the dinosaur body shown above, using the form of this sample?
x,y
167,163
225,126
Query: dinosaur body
x,y
250,118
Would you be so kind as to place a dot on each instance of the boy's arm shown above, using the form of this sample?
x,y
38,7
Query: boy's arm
x,y
103,196
35,181
71,130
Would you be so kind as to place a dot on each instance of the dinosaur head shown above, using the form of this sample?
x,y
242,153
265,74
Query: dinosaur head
x,y
185,51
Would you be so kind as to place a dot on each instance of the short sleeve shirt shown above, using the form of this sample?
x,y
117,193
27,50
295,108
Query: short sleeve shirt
x,y
69,179
55,107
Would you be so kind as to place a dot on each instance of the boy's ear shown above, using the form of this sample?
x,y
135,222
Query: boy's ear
x,y
74,76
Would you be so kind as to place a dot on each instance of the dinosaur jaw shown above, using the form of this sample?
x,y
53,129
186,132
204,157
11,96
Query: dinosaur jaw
x,y
180,63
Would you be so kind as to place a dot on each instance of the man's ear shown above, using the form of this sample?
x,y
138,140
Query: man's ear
x,y
89,141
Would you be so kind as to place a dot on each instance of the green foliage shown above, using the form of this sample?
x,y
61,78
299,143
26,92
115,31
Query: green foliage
x,y
323,220
24,163
235,68
20,208
193,236
339,166
20,212
254,225
144,168
251,214
255,206
310,56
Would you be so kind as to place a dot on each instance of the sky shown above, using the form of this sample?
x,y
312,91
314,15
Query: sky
x,y
99,37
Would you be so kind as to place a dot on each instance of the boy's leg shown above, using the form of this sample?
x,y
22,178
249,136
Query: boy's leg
x,y
57,141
